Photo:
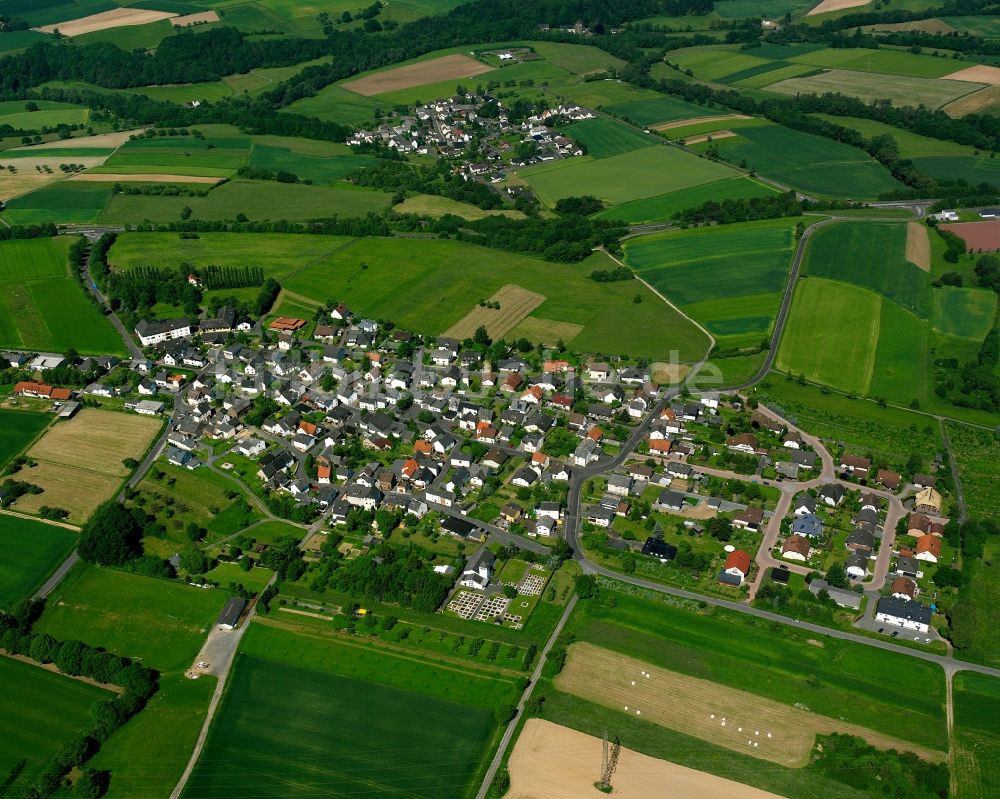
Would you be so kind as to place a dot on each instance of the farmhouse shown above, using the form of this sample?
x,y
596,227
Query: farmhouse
x,y
928,500
27,388
904,613
152,332
231,613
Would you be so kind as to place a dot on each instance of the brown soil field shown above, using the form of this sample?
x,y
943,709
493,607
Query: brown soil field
x,y
144,178
977,74
668,373
77,490
978,235
116,18
715,713
683,123
717,134
194,19
437,69
918,246
27,178
515,304
984,101
116,139
548,331
554,762
97,441
836,5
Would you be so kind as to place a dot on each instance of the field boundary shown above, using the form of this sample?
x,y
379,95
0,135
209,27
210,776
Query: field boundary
x,y
29,517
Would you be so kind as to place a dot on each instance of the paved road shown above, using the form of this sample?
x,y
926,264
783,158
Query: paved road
x,y
50,585
495,533
88,281
535,675
956,478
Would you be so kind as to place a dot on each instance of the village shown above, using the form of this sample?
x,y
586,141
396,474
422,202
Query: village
x,y
333,422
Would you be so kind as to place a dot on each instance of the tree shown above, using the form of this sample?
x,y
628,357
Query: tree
x,y
91,784
481,336
111,537
586,585
837,576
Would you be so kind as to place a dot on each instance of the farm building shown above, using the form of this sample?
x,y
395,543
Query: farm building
x,y
231,613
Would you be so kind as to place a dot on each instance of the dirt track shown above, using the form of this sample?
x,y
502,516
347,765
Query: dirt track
x,y
437,69
554,762
918,246
116,18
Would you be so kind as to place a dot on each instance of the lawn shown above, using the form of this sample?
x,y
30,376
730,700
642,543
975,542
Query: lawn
x,y
334,714
648,172
868,86
729,278
806,162
831,334
258,200
603,137
32,551
161,622
976,760
449,277
147,756
43,305
877,262
658,209
17,430
884,691
40,712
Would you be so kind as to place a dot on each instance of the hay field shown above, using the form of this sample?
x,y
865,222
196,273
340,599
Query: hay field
x,y
80,460
560,763
718,134
27,176
437,69
699,707
985,100
100,177
515,304
116,139
547,331
433,205
977,74
836,5
683,123
116,18
918,246
195,19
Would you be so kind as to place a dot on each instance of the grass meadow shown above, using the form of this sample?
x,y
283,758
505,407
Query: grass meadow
x,y
868,86
806,162
656,209
308,167
43,305
648,172
17,430
911,145
303,714
65,202
730,278
964,312
147,756
884,691
976,760
831,334
49,114
161,622
976,452
974,169
32,551
604,137
660,109
40,712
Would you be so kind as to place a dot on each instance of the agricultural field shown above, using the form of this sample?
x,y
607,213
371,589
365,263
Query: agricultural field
x,y
635,175
17,430
729,278
213,156
163,622
451,277
66,202
50,114
435,206
374,707
657,209
974,169
901,89
420,73
778,733
79,461
318,169
911,145
41,712
659,109
976,452
43,305
806,162
604,137
842,681
32,551
147,755
334,103
977,738
964,312
831,334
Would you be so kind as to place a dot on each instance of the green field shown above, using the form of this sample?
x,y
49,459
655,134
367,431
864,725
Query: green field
x,y
180,155
147,755
258,200
659,109
14,41
977,734
877,261
831,334
42,304
299,730
901,89
334,103
40,712
964,312
902,356
806,162
604,137
307,167
911,145
49,114
648,172
32,550
988,26
730,278
64,202
976,452
881,690
162,622
972,169
656,209
17,430
132,37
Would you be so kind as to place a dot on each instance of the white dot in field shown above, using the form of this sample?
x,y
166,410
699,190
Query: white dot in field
x,y
723,723
749,743
638,712
755,744
712,716
626,707
769,735
739,729
756,732
633,682
647,676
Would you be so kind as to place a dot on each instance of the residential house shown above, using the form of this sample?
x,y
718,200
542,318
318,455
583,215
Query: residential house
x,y
742,442
736,568
749,519
904,613
808,525
903,588
832,494
796,547
856,565
657,548
478,570
928,549
855,465
843,597
927,500
888,479
151,332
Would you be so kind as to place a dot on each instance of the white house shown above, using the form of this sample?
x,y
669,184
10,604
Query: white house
x,y
909,614
155,332
478,570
